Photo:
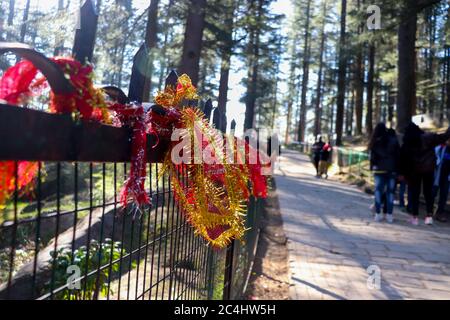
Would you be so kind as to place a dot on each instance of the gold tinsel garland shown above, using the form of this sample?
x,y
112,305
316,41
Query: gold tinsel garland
x,y
215,197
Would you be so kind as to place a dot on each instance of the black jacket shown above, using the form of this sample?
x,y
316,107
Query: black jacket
x,y
421,158
385,155
317,149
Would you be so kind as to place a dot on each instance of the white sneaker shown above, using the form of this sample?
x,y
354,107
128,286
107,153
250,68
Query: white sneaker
x,y
390,218
414,221
378,217
429,221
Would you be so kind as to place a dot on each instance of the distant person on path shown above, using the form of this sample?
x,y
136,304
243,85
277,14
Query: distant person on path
x,y
324,163
441,179
417,165
316,153
384,159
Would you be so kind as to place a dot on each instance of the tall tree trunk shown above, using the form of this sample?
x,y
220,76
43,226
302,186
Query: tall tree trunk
x,y
292,92
24,28
370,90
406,65
12,7
253,51
431,33
151,40
11,14
447,80
142,71
342,75
378,111
164,59
2,27
225,65
275,91
318,109
305,78
193,40
359,82
59,45
350,113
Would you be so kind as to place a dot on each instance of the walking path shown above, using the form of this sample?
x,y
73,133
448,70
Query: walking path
x,y
333,241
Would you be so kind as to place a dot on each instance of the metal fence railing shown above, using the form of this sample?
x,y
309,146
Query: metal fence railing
x,y
72,219
70,226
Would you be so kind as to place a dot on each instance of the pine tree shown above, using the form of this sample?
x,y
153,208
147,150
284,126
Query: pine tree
x,y
193,40
305,72
342,75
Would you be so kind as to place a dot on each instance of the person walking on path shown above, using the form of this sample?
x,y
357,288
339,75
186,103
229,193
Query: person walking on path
x,y
417,165
441,179
324,163
384,158
316,153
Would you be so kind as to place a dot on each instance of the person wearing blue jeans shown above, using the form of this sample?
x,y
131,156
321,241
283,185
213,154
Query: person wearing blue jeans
x,y
385,192
384,157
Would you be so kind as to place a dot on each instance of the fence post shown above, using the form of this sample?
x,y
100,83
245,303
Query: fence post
x,y
360,164
83,48
218,120
139,75
172,79
229,260
350,161
208,109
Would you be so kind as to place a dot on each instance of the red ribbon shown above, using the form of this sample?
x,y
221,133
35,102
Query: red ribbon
x,y
134,188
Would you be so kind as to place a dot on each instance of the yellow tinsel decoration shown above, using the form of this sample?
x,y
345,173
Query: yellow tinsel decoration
x,y
215,211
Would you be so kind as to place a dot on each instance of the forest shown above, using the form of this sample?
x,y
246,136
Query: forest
x,y
306,68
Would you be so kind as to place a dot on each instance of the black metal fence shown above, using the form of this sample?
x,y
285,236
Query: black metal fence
x,y
69,238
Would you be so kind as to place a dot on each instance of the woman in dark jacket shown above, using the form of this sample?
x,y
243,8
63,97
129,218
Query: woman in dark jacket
x,y
384,159
417,164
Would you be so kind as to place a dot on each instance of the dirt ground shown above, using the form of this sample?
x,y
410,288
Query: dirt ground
x,y
270,276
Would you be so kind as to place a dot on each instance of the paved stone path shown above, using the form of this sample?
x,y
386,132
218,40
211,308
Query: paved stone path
x,y
333,241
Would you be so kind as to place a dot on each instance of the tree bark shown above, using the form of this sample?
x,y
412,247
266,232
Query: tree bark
x,y
59,45
342,76
350,113
193,40
359,83
305,77
151,40
447,78
142,71
227,50
164,59
12,6
370,90
407,65
318,109
378,111
24,28
2,27
292,93
253,51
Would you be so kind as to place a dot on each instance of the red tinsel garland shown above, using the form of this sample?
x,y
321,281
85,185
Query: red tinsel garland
x,y
134,188
18,85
